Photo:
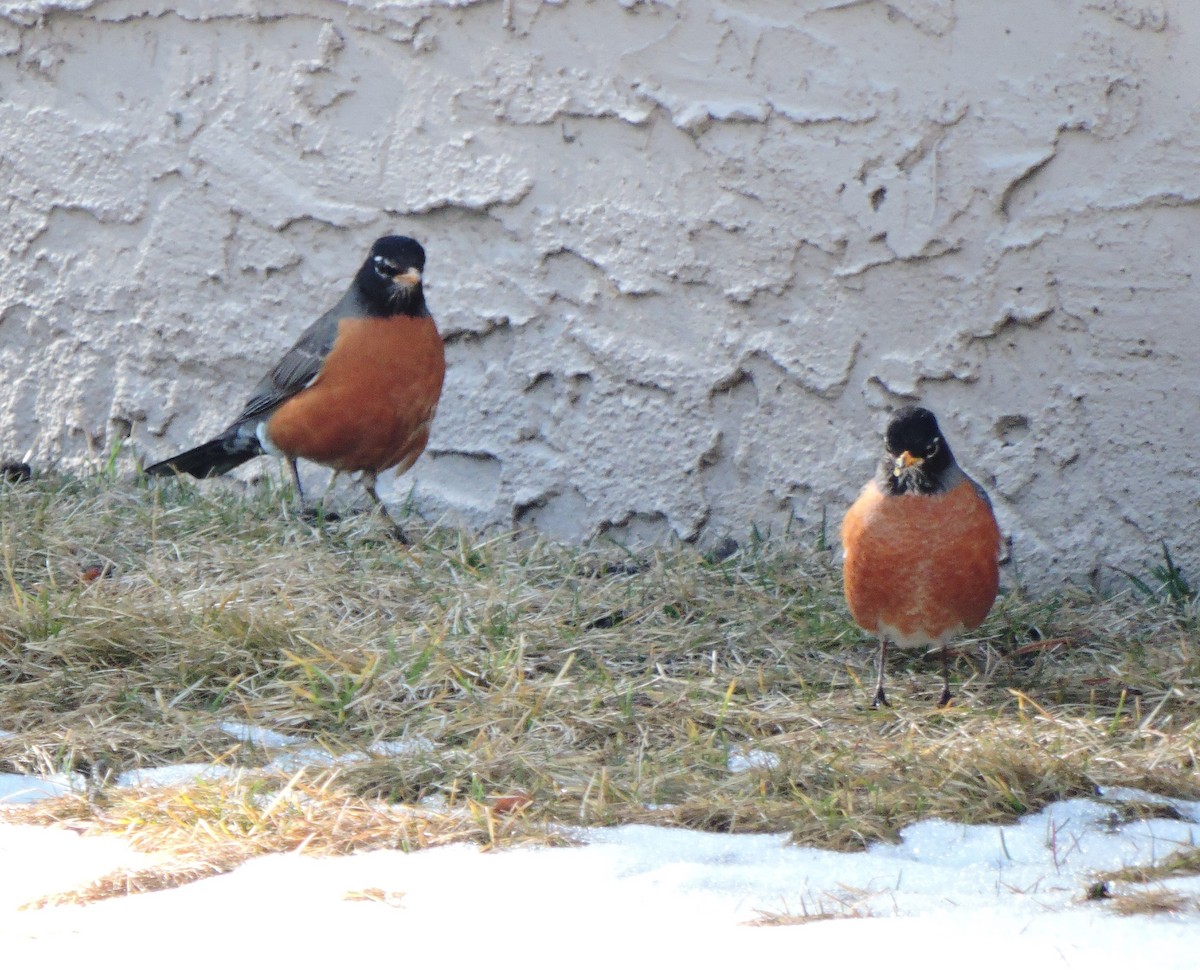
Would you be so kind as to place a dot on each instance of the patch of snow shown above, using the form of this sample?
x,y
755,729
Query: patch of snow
x,y
292,761
168,775
748,759
260,737
31,788
402,746
996,895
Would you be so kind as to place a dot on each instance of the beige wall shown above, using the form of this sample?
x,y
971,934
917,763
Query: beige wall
x,y
686,254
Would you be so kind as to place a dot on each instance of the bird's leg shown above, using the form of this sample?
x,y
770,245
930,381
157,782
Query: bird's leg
x,y
306,514
944,700
296,479
880,697
318,513
368,482
323,512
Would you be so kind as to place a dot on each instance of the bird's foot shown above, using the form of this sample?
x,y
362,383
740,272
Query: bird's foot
x,y
316,514
880,699
399,534
15,471
946,698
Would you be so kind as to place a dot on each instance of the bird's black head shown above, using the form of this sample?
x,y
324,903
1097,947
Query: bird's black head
x,y
917,454
390,279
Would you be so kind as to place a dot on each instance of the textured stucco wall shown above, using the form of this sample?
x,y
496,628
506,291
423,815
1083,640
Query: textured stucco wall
x,y
686,254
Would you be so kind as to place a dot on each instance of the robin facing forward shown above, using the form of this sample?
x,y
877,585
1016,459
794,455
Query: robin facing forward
x,y
358,391
921,546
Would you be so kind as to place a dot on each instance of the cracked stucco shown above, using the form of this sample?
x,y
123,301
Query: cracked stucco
x,y
685,255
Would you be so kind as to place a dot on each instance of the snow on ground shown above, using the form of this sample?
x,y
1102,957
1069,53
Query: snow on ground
x,y
996,896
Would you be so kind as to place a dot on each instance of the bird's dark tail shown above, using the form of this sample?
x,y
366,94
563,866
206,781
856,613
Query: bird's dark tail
x,y
214,457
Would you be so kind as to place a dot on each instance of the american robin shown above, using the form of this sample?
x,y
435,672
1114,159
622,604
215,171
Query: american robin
x,y
357,392
921,546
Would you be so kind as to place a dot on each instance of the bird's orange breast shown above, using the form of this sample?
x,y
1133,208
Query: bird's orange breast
x,y
920,568
371,406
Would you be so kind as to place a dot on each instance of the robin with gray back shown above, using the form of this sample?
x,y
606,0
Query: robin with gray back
x,y
356,393
921,546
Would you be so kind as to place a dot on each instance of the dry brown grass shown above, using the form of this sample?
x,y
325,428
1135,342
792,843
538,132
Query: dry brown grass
x,y
1179,864
797,919
1161,898
1152,902
847,903
194,831
598,686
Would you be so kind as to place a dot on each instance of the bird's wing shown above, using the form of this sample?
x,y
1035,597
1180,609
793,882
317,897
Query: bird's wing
x,y
297,369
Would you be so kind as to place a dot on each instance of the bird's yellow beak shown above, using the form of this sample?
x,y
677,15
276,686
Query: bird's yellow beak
x,y
410,277
906,460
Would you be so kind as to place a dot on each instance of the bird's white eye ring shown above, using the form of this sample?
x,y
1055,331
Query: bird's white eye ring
x,y
385,266
934,447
